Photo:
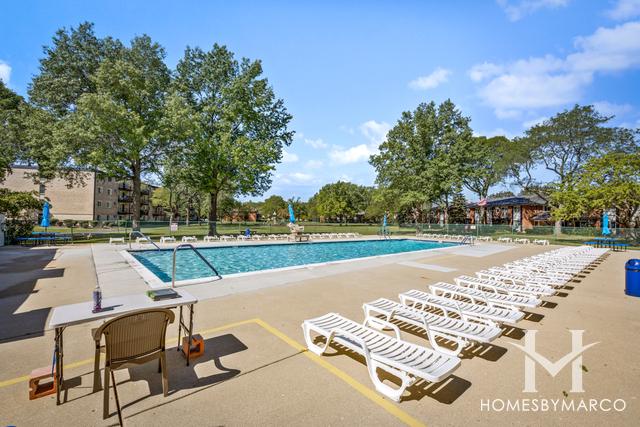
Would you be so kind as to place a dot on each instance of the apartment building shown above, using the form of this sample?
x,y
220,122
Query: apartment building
x,y
100,198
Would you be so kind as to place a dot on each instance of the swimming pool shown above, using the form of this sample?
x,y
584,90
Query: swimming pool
x,y
230,260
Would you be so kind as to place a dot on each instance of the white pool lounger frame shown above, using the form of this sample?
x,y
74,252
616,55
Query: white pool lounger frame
x,y
416,298
406,361
463,330
495,298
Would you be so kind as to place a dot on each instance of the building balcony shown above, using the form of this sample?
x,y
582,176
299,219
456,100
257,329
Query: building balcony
x,y
124,198
124,187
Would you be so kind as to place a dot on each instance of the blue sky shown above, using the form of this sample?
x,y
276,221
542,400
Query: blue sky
x,y
346,70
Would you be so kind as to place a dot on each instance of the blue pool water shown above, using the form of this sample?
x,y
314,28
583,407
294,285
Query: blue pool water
x,y
242,259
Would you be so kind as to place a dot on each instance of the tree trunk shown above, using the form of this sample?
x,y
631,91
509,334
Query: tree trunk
x,y
213,213
135,205
558,227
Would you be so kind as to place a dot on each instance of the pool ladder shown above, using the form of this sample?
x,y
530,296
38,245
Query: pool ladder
x,y
193,248
141,234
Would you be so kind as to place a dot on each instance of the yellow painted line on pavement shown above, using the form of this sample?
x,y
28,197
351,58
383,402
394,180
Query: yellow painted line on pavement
x,y
370,394
367,392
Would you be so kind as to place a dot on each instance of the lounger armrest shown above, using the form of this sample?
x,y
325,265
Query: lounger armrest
x,y
379,325
482,320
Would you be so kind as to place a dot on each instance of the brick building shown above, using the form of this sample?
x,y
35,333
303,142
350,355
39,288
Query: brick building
x,y
101,198
520,212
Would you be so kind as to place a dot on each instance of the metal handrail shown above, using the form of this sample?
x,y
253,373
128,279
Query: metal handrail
x,y
193,248
467,239
142,235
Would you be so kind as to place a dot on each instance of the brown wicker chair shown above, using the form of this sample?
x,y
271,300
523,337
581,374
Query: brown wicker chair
x,y
133,339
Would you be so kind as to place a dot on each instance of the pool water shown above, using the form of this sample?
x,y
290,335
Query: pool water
x,y
247,258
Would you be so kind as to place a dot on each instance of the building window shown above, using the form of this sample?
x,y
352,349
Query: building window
x,y
108,205
41,190
109,191
99,190
99,203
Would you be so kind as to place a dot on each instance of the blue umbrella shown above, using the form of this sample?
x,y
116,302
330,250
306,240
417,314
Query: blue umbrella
x,y
605,225
45,215
292,217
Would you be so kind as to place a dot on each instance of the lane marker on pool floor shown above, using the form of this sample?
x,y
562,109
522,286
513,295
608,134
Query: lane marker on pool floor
x,y
367,392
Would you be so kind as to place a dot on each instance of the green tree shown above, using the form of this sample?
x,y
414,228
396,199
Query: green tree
x,y
10,141
341,201
274,207
19,208
425,154
608,182
563,145
458,209
68,67
230,125
118,129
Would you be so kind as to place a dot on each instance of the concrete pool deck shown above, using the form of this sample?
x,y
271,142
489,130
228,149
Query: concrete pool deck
x,y
255,372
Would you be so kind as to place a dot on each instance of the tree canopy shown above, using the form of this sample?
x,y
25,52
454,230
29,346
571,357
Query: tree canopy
x,y
230,126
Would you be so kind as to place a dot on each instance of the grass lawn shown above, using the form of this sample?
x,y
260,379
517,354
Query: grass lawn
x,y
155,231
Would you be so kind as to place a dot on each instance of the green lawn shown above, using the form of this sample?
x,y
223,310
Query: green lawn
x,y
155,231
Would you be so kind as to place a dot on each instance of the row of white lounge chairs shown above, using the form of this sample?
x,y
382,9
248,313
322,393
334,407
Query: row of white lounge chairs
x,y
468,237
472,310
239,237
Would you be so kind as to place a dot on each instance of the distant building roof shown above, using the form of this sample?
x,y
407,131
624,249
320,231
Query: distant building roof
x,y
513,201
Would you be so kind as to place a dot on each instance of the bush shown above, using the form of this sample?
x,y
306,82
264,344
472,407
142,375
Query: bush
x,y
69,223
94,224
18,228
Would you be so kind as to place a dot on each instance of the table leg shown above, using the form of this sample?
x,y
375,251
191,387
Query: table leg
x,y
59,352
190,331
179,329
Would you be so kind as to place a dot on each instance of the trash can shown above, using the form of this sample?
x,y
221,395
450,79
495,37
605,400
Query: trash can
x,y
632,282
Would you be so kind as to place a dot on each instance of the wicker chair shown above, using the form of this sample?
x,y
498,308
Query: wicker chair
x,y
133,339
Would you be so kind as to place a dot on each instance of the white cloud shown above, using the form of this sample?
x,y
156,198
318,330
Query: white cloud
x,y
315,143
294,178
375,132
612,109
624,9
518,10
358,153
483,71
314,164
436,78
301,177
508,114
289,157
5,72
531,123
548,81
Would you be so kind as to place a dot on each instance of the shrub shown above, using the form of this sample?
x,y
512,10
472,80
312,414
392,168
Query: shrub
x,y
18,206
69,223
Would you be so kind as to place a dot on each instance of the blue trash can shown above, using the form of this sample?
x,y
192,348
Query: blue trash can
x,y
632,282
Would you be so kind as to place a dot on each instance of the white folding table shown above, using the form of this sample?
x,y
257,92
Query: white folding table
x,y
75,314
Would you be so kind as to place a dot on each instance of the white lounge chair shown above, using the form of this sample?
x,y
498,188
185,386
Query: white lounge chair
x,y
167,239
543,242
406,361
116,240
495,298
189,239
140,240
462,330
419,299
499,286
209,239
